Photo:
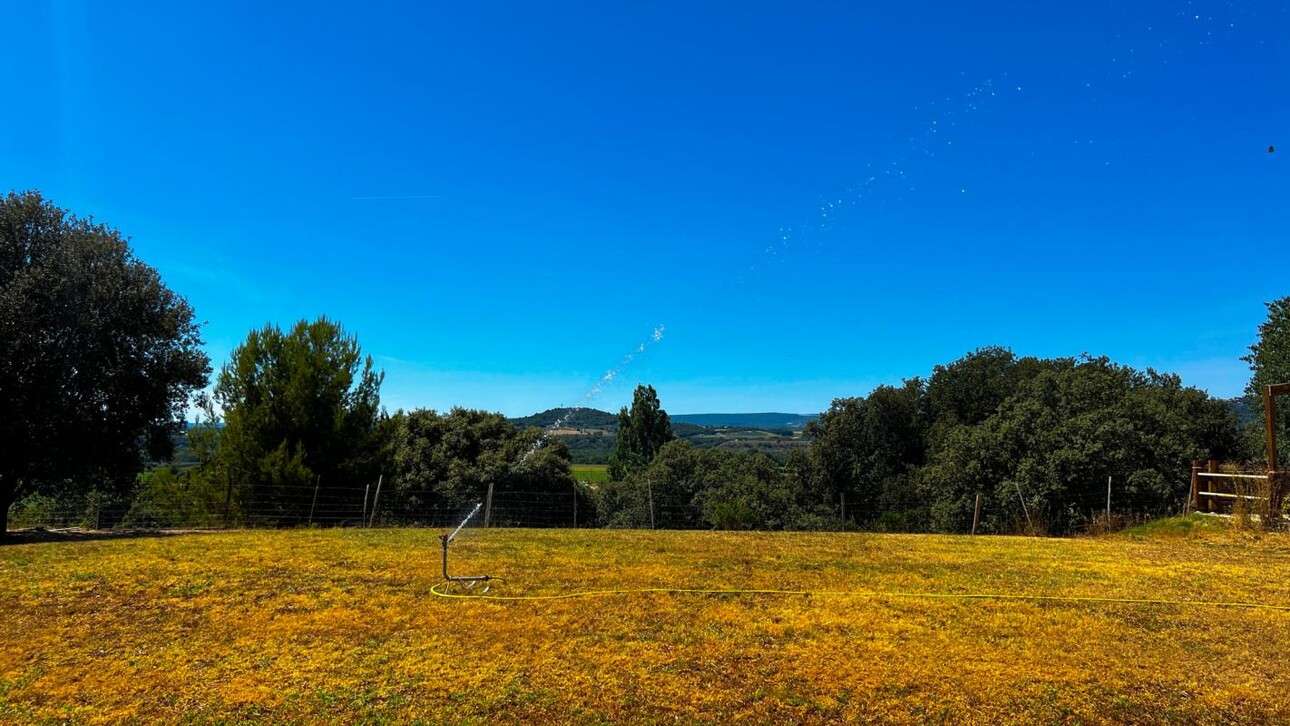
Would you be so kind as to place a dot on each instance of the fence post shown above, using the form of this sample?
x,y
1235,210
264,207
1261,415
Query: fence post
x,y
1211,467
375,498
228,500
1194,499
842,511
976,513
317,481
1108,501
1274,477
488,506
1024,510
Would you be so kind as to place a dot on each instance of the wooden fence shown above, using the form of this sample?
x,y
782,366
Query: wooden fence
x,y
1218,491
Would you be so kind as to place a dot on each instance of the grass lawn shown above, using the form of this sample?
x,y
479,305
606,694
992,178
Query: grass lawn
x,y
340,626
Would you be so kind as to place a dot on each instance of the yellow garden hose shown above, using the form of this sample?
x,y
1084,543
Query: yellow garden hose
x,y
873,594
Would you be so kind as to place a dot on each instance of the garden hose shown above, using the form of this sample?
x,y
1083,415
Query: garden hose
x,y
872,594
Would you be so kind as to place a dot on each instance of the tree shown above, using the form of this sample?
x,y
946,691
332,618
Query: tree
x,y
642,431
98,358
971,388
1269,361
685,487
1054,442
301,409
863,447
445,462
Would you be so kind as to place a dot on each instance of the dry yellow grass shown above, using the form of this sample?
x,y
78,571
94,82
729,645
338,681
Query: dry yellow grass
x,y
339,626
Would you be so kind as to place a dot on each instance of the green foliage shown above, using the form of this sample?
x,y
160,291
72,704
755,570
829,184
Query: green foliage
x,y
1269,361
863,445
300,408
1054,441
444,463
170,497
689,487
1044,432
642,432
98,358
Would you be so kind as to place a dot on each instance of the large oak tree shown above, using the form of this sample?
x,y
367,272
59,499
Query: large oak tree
x,y
98,359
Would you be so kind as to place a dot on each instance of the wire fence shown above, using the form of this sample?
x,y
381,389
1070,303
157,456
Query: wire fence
x,y
1011,508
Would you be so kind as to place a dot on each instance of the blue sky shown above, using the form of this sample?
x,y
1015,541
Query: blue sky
x,y
503,201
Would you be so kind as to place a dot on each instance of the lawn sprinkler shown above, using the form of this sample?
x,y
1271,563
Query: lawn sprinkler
x,y
467,582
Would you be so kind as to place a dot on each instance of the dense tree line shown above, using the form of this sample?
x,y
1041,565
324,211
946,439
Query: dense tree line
x,y
1036,438
98,360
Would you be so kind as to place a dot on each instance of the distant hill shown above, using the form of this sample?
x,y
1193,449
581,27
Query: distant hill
x,y
590,418
1247,409
748,420
590,434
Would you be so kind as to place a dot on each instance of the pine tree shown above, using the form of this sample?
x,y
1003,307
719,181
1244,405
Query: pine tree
x,y
642,431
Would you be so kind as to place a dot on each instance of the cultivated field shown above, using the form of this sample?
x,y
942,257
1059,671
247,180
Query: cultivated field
x,y
341,626
591,473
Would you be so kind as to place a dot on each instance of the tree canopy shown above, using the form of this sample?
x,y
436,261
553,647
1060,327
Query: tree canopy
x,y
642,432
1044,432
98,358
300,410
686,487
442,463
1269,361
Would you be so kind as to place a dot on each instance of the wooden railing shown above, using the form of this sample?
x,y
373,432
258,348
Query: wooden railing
x,y
1214,491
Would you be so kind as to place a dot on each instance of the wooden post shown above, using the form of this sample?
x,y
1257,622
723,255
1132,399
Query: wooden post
x,y
842,512
1270,394
1211,467
976,513
488,506
375,498
317,481
366,490
1194,499
1108,501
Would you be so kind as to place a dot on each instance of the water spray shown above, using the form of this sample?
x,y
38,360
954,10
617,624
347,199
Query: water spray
x,y
590,395
468,582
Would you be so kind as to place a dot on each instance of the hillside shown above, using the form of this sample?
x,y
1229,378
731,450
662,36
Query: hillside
x,y
590,433
590,418
572,418
748,420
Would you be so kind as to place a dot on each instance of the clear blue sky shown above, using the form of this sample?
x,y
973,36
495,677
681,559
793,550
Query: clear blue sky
x,y
502,201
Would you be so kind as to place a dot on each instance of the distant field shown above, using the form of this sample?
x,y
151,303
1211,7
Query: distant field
x,y
590,473
340,626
